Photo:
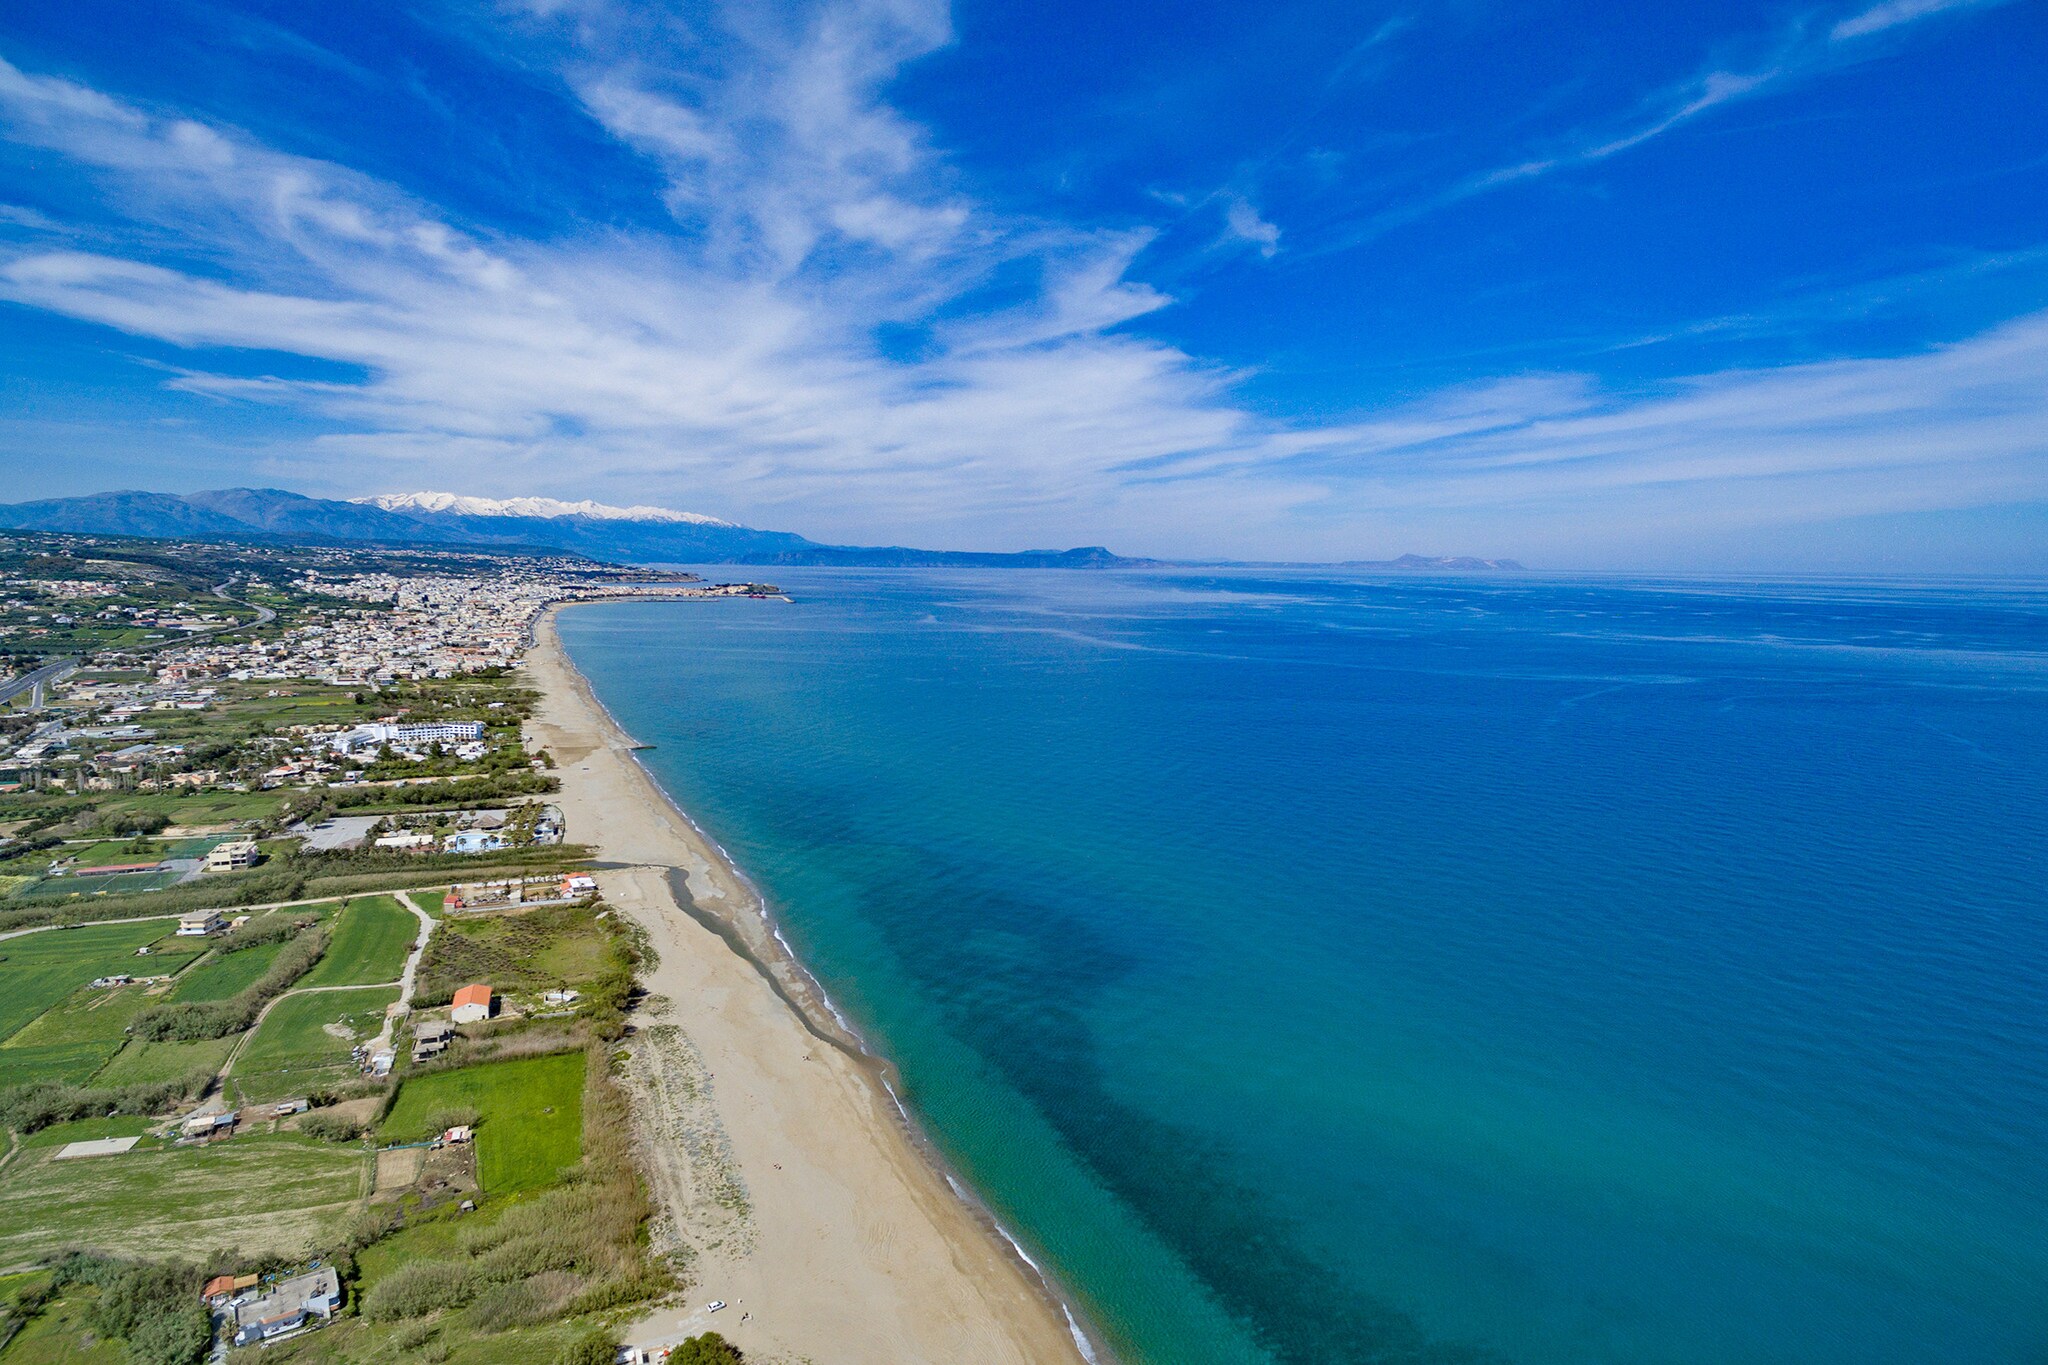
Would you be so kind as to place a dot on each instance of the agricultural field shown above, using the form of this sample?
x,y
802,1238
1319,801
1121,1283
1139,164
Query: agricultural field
x,y
226,974
260,1192
141,1063
197,808
370,944
39,969
75,1037
530,1122
306,1039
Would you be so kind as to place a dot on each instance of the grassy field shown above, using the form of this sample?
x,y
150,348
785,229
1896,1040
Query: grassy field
x,y
199,808
533,950
37,970
429,901
254,1193
292,1051
73,1038
138,1063
60,1335
532,1116
371,940
217,978
86,1130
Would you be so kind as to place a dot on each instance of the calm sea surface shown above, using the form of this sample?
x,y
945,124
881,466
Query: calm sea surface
x,y
1321,968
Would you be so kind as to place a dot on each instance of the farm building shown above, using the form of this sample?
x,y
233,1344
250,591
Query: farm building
x,y
472,1005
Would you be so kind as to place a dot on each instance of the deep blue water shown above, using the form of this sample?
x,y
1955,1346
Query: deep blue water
x,y
1324,969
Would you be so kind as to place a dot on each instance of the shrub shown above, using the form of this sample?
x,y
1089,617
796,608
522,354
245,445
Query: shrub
x,y
329,1127
592,1348
709,1349
28,1108
417,1289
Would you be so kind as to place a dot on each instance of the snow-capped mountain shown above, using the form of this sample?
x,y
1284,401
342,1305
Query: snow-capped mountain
x,y
545,508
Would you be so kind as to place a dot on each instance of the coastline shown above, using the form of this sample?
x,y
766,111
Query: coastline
x,y
811,1203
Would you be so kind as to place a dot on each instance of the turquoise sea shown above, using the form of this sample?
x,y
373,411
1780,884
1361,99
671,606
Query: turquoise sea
x,y
1326,968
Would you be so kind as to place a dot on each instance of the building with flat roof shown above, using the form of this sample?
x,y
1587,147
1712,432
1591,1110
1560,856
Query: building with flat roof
x,y
232,856
200,923
287,1306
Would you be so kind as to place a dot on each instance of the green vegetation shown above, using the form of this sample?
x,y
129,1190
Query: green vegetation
x,y
255,1193
306,1039
187,1021
226,975
74,1038
142,1063
155,1309
529,1123
61,1333
531,950
708,1349
27,1108
37,970
371,941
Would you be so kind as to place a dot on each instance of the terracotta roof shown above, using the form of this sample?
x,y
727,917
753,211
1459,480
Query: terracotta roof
x,y
473,995
219,1284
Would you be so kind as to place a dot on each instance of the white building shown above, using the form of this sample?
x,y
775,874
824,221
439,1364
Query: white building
x,y
376,736
232,856
200,923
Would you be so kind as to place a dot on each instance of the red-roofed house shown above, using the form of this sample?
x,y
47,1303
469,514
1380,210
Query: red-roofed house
x,y
472,1005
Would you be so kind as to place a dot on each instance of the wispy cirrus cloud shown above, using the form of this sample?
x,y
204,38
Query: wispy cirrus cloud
x,y
1805,48
835,335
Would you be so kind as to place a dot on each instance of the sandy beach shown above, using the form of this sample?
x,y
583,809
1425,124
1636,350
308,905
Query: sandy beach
x,y
789,1181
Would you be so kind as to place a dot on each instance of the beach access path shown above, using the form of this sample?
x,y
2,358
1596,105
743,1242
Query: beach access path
x,y
854,1250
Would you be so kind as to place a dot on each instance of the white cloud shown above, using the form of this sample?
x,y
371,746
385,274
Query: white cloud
x,y
732,364
1244,223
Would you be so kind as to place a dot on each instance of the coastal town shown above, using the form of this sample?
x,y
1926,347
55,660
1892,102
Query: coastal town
x,y
284,880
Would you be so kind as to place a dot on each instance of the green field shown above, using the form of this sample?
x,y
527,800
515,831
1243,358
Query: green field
x,y
429,901
254,1193
292,1051
73,1038
85,1130
141,1063
532,1116
200,808
60,1335
226,974
370,943
39,969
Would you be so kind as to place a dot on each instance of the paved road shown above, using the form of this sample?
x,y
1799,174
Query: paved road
x,y
33,682
55,672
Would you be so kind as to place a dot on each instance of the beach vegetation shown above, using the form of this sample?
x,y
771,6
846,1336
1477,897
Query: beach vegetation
x,y
708,1349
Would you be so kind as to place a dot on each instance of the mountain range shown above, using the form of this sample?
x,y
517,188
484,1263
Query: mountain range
x,y
630,535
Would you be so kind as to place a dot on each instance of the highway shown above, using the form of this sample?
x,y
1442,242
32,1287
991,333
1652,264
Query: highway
x,y
33,682
52,672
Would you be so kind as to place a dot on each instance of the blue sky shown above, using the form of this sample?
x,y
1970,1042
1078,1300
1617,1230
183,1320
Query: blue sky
x,y
1712,286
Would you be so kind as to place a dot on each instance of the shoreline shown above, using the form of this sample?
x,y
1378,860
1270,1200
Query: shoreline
x,y
929,1272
